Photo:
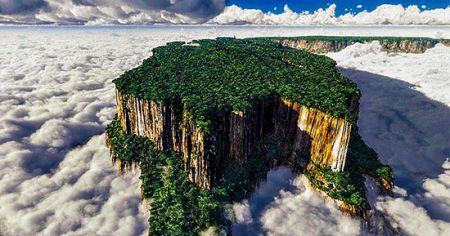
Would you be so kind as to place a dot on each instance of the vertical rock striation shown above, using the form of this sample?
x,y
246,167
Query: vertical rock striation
x,y
316,46
325,136
326,46
302,132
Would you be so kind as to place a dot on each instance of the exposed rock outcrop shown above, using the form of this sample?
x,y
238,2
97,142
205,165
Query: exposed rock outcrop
x,y
234,135
316,46
446,42
326,46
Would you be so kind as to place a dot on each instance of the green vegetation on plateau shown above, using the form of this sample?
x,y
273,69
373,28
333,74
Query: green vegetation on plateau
x,y
232,73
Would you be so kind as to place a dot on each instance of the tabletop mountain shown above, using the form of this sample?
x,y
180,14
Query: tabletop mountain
x,y
206,120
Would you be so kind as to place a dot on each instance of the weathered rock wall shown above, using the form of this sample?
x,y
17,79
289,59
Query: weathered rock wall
x,y
316,46
233,136
326,138
446,42
319,46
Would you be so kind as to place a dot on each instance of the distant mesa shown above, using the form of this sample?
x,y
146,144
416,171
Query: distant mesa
x,y
325,44
206,121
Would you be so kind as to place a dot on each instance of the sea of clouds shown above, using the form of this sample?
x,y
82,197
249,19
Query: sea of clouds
x,y
57,96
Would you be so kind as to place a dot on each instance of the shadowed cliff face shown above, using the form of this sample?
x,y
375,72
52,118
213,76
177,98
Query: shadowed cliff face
x,y
302,134
408,130
319,46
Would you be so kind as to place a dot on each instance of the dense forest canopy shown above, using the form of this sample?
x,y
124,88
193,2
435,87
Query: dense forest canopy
x,y
210,75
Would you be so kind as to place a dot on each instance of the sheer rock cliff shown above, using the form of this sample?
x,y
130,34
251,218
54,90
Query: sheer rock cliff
x,y
304,134
326,46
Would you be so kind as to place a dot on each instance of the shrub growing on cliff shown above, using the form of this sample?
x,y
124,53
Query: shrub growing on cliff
x,y
339,185
181,208
363,159
348,186
178,206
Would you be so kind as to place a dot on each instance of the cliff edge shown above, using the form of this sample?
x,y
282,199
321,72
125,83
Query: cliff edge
x,y
327,44
214,116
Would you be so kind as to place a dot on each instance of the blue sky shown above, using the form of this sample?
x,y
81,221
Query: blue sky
x,y
312,5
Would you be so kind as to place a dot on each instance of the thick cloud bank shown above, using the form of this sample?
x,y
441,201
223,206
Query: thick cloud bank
x,y
56,96
102,12
405,117
108,12
382,15
287,205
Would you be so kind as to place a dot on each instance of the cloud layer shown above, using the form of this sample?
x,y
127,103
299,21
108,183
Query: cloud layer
x,y
404,116
286,205
108,12
102,12
56,97
382,15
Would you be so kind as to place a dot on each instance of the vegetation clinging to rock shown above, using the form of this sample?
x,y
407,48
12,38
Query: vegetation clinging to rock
x,y
178,207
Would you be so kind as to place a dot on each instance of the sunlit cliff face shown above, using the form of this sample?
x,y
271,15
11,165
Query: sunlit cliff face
x,y
301,129
319,46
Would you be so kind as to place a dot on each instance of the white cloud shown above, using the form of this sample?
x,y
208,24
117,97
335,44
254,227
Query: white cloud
x,y
109,12
284,205
56,175
56,95
57,133
402,113
383,14
101,12
426,76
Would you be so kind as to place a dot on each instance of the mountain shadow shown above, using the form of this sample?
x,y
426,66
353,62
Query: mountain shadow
x,y
408,130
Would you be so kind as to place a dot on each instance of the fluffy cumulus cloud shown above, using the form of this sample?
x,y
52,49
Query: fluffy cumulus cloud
x,y
109,12
404,116
55,174
103,12
383,14
287,205
56,97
